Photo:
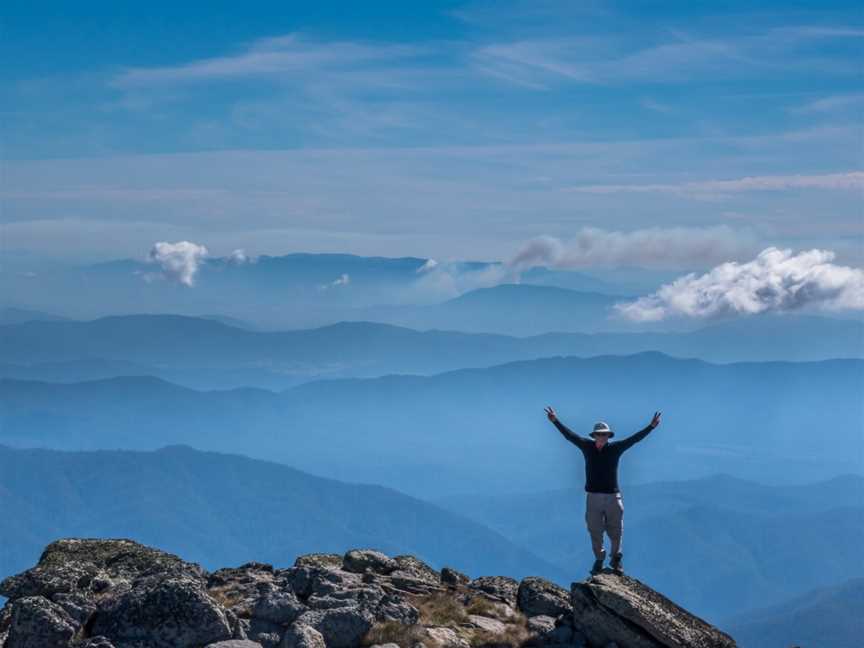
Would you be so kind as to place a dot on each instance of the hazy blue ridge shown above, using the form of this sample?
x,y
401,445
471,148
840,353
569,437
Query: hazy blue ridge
x,y
828,617
480,430
221,510
208,354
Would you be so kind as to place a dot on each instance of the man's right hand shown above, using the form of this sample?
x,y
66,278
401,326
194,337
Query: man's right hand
x,y
550,413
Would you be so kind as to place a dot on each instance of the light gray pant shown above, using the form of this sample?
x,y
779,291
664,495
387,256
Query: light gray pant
x,y
604,512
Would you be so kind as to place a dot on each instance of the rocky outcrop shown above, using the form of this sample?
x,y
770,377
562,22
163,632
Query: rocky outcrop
x,y
120,594
608,608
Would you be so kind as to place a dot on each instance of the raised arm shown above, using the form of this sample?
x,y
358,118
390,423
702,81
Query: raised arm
x,y
568,434
641,434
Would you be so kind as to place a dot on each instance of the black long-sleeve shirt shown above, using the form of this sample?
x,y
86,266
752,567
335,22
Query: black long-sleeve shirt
x,y
601,466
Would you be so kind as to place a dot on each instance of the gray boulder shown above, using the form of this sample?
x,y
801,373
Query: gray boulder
x,y
300,635
417,569
320,560
540,596
79,606
609,608
94,642
502,588
414,576
232,585
541,624
300,579
493,626
36,622
88,565
450,576
266,633
268,639
394,608
362,560
397,581
332,581
170,613
340,627
280,607
234,643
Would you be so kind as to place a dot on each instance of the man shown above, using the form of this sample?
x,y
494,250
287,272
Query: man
x,y
604,507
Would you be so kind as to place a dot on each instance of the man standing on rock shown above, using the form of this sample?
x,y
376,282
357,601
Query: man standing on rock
x,y
604,507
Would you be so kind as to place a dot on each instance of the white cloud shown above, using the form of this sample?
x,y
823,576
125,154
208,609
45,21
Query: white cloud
x,y
657,247
830,181
179,261
775,281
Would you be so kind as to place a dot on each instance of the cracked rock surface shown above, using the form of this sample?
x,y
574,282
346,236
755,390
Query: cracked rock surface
x,y
610,608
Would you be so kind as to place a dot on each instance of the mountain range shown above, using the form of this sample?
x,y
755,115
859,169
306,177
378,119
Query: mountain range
x,y
479,430
290,291
225,509
208,353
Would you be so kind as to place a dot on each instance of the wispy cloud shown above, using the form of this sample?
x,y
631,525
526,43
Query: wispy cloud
x,y
277,57
830,104
680,58
775,281
851,180
656,106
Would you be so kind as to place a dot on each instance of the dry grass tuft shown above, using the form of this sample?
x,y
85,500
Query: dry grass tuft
x,y
441,609
514,636
405,636
225,598
479,604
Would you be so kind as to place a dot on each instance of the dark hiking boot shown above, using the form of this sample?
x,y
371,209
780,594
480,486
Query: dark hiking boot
x,y
615,563
597,567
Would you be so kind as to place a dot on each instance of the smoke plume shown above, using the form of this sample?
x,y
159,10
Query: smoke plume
x,y
672,247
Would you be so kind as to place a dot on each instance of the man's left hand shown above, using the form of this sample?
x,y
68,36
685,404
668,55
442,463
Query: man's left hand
x,y
656,420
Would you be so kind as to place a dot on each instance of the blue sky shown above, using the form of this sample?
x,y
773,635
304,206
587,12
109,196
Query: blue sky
x,y
450,129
